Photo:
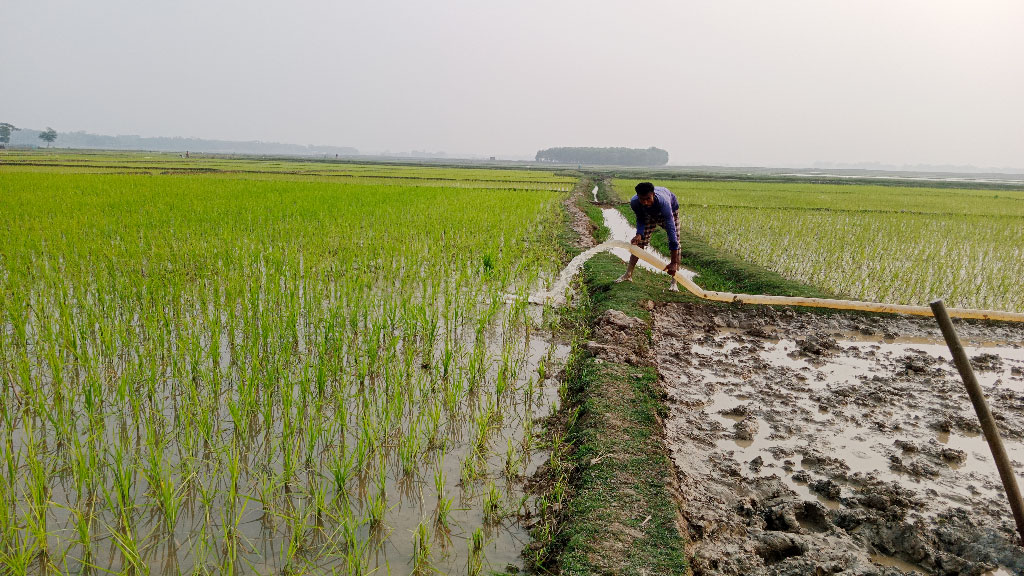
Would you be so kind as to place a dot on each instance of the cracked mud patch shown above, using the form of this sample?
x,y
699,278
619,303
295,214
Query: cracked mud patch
x,y
827,444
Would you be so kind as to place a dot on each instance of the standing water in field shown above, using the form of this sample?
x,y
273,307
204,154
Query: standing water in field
x,y
243,376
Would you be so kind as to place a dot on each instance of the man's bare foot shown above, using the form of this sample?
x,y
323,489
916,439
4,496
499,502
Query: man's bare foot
x,y
624,278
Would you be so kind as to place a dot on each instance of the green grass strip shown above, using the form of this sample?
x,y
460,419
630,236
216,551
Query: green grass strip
x,y
622,518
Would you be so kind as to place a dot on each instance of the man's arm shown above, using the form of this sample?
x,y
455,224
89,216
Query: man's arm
x,y
670,226
638,211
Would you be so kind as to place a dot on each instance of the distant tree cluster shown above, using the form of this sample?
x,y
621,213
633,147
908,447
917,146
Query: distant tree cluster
x,y
7,129
5,132
48,136
29,138
606,156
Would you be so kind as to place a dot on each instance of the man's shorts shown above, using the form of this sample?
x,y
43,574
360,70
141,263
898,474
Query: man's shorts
x,y
651,223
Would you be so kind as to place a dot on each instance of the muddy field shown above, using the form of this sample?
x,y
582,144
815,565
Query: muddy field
x,y
826,444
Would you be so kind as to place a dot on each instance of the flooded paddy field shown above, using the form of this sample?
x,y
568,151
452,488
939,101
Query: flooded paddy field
x,y
829,443
901,245
210,374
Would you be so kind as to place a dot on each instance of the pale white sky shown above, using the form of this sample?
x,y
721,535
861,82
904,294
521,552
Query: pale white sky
x,y
716,82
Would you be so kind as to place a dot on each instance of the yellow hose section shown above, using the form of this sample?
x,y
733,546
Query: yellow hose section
x,y
699,292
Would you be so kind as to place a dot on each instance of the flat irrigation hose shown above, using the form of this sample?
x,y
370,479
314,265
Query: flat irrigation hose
x,y
699,292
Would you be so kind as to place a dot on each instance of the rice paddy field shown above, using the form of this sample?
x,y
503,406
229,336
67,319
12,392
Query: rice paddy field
x,y
232,365
240,366
906,245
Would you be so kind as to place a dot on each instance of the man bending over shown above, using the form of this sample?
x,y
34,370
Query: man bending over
x,y
654,206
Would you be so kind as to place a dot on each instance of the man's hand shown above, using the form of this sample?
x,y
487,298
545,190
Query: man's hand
x,y
673,265
636,240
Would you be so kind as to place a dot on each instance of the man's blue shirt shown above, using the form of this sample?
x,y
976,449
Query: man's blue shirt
x,y
665,203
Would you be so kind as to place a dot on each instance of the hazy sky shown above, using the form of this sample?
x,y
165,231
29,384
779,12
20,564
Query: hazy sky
x,y
716,82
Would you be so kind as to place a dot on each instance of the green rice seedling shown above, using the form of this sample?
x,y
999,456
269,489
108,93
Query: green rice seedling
x,y
316,434
20,554
38,492
447,360
421,543
443,508
356,557
231,496
476,553
230,536
513,461
127,544
529,391
468,473
439,481
361,454
477,364
206,491
484,424
408,453
162,488
268,488
240,419
8,521
296,546
341,470
376,506
201,548
83,524
119,496
442,518
318,500
453,395
169,498
492,504
434,441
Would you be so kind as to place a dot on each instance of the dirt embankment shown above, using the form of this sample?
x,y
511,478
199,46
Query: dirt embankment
x,y
825,444
607,493
578,221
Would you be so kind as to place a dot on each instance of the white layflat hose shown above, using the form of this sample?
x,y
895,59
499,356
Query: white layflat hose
x,y
699,292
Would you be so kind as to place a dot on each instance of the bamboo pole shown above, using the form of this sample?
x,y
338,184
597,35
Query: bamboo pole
x,y
988,424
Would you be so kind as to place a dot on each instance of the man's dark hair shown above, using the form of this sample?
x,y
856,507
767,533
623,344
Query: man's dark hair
x,y
644,188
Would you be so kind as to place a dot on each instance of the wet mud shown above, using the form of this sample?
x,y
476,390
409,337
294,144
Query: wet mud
x,y
812,443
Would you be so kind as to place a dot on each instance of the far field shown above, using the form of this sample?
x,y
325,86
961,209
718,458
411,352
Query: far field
x,y
906,245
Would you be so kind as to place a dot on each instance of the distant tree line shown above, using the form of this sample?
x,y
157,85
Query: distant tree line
x,y
607,156
28,138
7,130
